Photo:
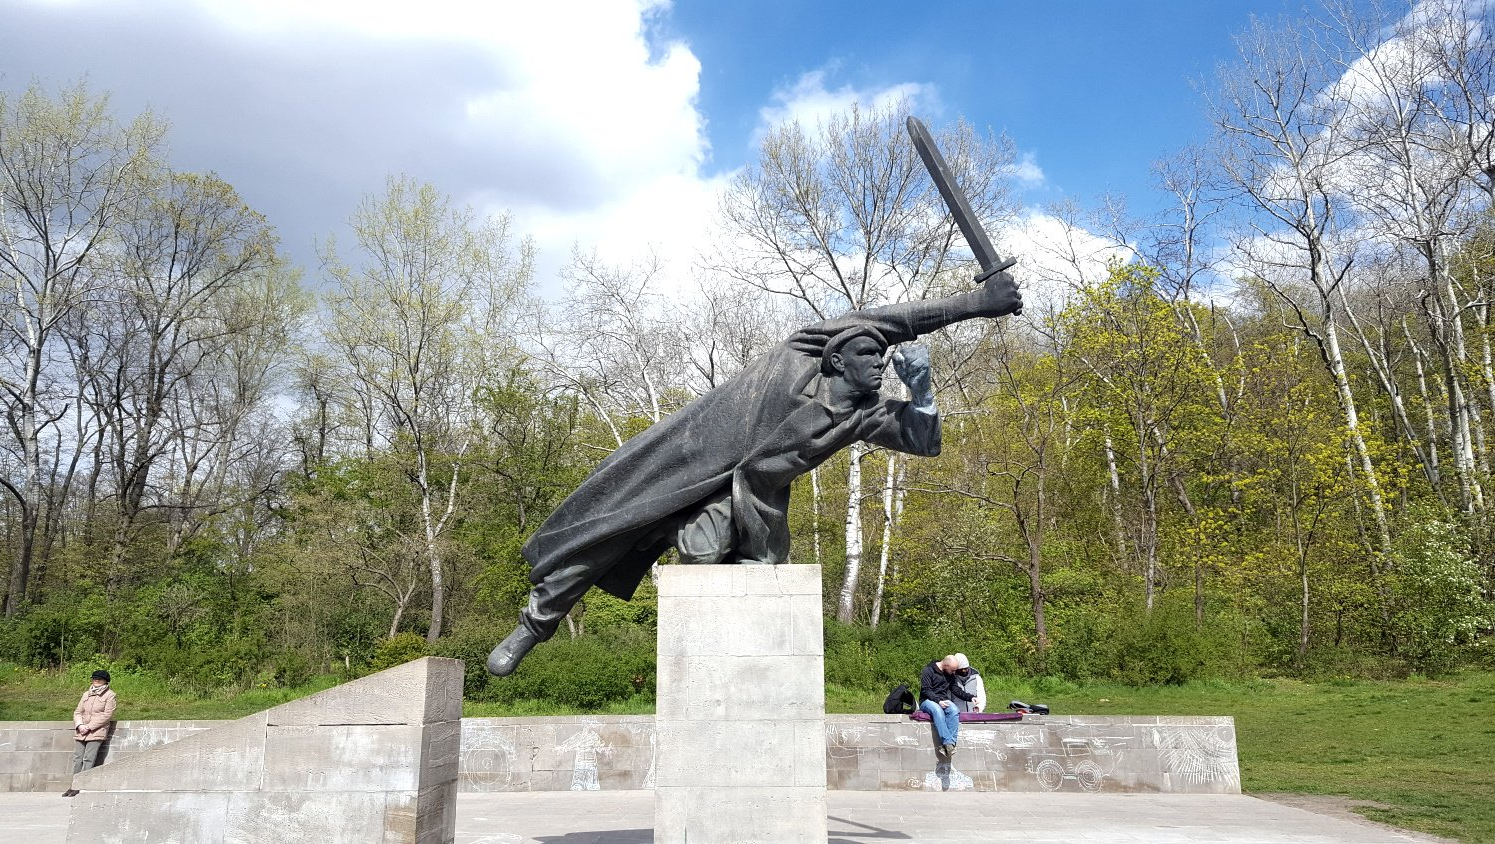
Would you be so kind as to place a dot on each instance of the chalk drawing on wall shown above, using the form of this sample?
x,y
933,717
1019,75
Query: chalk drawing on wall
x,y
640,730
944,777
1198,755
1084,761
487,760
587,745
845,742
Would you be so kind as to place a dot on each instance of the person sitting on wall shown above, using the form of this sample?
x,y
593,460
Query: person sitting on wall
x,y
937,695
92,718
969,680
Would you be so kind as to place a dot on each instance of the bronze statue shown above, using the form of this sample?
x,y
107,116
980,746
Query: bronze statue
x,y
712,480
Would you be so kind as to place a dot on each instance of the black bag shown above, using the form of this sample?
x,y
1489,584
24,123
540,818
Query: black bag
x,y
900,701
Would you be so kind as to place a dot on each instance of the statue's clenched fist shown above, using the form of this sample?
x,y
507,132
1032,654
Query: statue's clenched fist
x,y
999,292
911,361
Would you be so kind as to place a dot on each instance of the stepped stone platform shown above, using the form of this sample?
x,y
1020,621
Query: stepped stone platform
x,y
370,760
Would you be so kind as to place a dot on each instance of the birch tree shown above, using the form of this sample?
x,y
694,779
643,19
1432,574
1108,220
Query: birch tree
x,y
1282,147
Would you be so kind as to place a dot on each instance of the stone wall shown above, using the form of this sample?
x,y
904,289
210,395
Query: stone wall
x,y
37,755
371,760
863,752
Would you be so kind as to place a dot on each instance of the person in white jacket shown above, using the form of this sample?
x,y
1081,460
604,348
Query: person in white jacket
x,y
969,680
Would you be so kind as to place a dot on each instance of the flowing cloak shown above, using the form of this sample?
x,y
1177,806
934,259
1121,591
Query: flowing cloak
x,y
752,434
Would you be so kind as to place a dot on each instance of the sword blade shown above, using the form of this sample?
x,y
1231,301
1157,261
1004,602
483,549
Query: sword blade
x,y
955,198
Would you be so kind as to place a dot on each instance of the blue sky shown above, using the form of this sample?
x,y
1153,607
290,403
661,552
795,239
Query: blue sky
x,y
614,123
1095,91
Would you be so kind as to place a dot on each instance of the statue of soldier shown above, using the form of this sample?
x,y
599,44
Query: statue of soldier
x,y
712,480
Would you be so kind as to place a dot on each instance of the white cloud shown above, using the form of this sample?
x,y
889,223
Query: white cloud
x,y
811,103
568,113
1027,171
1055,257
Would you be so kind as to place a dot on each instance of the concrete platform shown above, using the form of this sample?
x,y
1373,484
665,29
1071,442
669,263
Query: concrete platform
x,y
627,817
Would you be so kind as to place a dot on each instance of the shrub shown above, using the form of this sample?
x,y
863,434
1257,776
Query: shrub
x,y
1438,607
1165,646
291,668
585,673
471,645
397,650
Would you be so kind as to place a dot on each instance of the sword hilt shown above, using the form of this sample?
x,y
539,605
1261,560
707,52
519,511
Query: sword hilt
x,y
986,274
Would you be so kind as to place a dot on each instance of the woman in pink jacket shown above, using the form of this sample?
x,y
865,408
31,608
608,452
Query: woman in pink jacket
x,y
91,721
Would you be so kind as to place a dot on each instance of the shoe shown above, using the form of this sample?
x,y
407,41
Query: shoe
x,y
505,658
949,750
72,792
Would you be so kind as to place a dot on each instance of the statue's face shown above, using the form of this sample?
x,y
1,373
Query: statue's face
x,y
861,364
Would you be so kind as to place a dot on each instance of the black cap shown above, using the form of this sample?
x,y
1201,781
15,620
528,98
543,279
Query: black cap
x,y
101,674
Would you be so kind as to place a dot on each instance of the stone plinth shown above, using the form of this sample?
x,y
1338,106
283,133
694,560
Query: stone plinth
x,y
371,760
741,705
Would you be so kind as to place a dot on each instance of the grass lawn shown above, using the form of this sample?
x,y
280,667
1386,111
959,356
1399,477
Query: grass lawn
x,y
1423,748
27,695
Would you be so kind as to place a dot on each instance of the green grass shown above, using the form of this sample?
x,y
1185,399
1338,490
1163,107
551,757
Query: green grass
x,y
27,695
1420,747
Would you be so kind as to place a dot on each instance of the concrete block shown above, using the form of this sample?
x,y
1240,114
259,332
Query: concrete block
x,y
304,771
47,738
228,758
26,761
782,580
143,735
256,817
436,814
440,753
379,757
740,729
741,688
443,690
398,695
185,818
739,753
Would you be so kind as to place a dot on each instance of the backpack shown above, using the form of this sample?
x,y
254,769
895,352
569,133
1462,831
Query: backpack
x,y
900,701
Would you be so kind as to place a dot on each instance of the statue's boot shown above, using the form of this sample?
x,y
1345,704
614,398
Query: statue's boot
x,y
505,658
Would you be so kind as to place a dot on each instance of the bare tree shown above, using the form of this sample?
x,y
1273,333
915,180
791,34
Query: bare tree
x,y
187,247
67,168
1415,99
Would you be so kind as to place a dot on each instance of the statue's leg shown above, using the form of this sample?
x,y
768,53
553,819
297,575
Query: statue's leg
x,y
549,602
705,538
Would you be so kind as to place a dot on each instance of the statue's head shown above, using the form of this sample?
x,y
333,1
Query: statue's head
x,y
856,355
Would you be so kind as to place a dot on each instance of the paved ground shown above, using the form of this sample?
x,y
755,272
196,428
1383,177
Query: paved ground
x,y
863,817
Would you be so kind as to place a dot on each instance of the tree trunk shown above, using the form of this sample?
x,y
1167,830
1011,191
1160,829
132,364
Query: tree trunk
x,y
433,553
815,511
847,603
892,511
1113,476
1357,439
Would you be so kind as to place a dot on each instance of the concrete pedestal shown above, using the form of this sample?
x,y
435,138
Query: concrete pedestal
x,y
741,705
371,760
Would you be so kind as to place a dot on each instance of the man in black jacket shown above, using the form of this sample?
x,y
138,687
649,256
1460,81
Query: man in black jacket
x,y
937,696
